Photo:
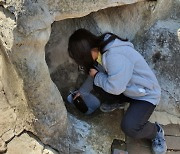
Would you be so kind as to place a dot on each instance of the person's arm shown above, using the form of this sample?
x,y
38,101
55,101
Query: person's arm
x,y
119,72
91,101
87,86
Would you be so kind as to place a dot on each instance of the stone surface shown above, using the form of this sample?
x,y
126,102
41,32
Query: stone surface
x,y
24,144
164,118
1,85
29,89
79,8
7,119
138,146
92,134
7,136
161,49
172,152
48,150
105,128
160,46
3,146
173,142
138,142
172,130
136,149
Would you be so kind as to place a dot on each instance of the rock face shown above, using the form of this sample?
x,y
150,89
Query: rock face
x,y
28,89
26,143
93,134
28,96
160,46
72,9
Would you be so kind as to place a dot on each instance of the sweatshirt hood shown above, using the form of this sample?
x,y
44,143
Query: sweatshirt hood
x,y
116,43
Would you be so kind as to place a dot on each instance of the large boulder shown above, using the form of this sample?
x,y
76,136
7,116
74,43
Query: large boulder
x,y
160,46
29,89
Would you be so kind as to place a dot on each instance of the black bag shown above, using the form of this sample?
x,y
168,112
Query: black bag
x,y
80,104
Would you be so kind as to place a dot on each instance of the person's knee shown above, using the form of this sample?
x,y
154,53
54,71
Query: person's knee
x,y
130,128
91,101
125,126
92,109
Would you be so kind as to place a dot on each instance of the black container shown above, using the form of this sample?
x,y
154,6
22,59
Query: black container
x,y
80,104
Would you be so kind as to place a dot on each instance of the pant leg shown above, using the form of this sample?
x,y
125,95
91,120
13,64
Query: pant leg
x,y
110,98
87,86
91,101
135,121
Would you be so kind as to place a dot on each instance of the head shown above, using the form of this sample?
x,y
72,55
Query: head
x,y
83,48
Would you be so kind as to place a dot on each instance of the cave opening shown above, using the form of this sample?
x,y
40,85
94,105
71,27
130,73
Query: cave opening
x,y
125,21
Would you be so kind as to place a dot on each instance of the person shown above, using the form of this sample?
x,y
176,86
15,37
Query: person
x,y
120,74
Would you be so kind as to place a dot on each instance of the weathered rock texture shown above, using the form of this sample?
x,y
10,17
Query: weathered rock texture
x,y
25,75
27,143
160,46
77,8
32,101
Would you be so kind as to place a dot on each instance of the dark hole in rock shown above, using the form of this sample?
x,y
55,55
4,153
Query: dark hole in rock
x,y
156,56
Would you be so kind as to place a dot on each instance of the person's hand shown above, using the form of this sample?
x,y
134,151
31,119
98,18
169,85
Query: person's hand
x,y
92,72
77,95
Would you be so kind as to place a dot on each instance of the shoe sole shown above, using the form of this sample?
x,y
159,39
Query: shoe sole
x,y
120,108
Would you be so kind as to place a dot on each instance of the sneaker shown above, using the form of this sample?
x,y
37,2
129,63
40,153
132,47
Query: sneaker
x,y
111,107
159,143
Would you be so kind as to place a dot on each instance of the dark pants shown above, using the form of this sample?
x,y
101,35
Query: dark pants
x,y
135,121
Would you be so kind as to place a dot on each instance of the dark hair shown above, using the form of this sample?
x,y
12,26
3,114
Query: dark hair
x,y
82,41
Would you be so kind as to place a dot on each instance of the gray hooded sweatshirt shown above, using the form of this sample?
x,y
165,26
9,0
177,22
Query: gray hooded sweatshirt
x,y
127,72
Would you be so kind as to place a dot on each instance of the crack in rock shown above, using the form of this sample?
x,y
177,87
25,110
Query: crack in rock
x,y
27,142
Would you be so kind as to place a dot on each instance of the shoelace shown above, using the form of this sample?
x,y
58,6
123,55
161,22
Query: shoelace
x,y
158,141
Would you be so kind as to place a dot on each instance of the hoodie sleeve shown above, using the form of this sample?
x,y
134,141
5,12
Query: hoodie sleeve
x,y
119,72
87,86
